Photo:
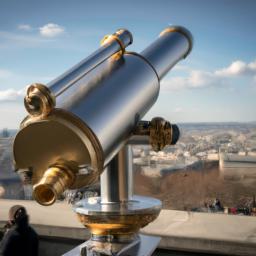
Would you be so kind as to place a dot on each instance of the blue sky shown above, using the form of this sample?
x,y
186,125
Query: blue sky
x,y
39,40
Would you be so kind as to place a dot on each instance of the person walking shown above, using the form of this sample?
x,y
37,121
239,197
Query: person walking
x,y
19,238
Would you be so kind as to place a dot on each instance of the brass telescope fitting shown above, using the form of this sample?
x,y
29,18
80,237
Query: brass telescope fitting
x,y
56,179
117,36
39,101
160,131
117,224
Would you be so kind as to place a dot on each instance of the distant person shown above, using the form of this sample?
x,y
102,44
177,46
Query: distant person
x,y
253,201
207,207
217,205
80,195
19,238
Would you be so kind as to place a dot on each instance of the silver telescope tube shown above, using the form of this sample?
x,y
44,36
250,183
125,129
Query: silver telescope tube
x,y
110,45
94,118
174,43
40,100
114,96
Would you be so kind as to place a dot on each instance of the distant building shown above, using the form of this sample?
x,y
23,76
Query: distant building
x,y
5,133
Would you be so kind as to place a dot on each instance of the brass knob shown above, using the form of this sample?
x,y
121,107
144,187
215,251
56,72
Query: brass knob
x,y
160,131
39,101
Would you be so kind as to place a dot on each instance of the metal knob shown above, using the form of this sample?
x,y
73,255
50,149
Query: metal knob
x,y
160,131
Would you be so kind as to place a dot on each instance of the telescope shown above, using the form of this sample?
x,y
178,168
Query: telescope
x,y
80,128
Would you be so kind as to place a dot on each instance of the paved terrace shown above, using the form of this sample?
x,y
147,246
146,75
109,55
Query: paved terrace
x,y
179,230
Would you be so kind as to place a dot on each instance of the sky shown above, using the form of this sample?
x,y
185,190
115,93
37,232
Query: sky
x,y
39,40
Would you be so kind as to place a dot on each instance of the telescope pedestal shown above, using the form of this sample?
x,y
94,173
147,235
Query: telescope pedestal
x,y
143,245
115,218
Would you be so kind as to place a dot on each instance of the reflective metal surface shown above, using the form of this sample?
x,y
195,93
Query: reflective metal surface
x,y
137,205
161,132
40,99
117,218
138,140
112,98
117,178
144,245
173,44
73,75
117,212
63,139
54,182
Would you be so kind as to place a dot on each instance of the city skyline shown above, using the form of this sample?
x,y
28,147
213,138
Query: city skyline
x,y
216,83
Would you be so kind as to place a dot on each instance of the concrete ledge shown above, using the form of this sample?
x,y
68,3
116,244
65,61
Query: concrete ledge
x,y
186,231
58,232
62,232
207,246
203,232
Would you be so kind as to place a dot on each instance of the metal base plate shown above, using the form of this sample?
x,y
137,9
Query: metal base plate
x,y
121,218
138,205
143,246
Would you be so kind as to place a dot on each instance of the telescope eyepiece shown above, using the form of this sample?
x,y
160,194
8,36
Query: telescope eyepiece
x,y
44,194
54,182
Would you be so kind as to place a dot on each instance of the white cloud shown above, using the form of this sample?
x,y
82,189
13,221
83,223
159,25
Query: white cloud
x,y
25,27
195,79
181,68
11,95
220,77
178,110
238,68
51,30
13,40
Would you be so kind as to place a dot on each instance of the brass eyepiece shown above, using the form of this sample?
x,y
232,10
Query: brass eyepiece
x,y
39,101
54,182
